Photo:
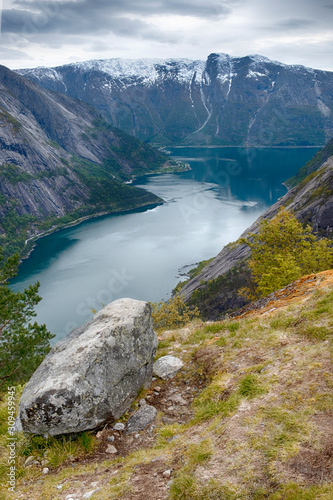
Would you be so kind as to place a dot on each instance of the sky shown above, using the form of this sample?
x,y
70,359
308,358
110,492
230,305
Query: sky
x,y
55,32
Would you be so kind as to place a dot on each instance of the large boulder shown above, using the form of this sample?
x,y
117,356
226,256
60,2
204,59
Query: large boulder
x,y
94,374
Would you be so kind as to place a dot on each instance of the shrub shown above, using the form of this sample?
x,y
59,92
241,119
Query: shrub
x,y
283,251
172,314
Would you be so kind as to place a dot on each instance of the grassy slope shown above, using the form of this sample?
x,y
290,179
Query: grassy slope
x,y
260,425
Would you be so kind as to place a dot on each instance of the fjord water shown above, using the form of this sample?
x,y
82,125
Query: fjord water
x,y
143,254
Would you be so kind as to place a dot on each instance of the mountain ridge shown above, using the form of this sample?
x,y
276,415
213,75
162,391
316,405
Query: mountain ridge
x,y
60,161
225,100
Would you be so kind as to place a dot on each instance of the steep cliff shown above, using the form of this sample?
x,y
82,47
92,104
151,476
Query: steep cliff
x,y
59,160
224,100
311,201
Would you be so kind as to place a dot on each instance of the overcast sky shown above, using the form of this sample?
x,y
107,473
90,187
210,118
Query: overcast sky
x,y
54,32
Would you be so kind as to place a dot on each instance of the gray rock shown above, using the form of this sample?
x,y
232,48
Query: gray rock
x,y
110,439
177,399
119,426
167,367
93,375
141,419
111,449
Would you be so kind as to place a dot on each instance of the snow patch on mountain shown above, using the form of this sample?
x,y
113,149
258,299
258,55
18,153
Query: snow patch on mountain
x,y
145,71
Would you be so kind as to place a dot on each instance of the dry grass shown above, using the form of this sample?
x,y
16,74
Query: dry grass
x,y
260,425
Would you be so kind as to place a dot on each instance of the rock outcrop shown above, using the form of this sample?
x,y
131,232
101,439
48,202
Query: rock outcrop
x,y
93,375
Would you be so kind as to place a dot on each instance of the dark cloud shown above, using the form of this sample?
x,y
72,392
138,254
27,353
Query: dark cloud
x,y
199,8
94,16
295,31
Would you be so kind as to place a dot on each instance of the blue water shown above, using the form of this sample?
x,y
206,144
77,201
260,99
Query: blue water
x,y
143,254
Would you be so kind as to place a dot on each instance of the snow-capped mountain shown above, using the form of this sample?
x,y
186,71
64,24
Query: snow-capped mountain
x,y
223,100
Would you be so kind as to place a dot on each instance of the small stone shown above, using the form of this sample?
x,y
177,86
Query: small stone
x,y
157,388
141,419
110,439
137,436
178,399
156,393
59,486
167,366
44,462
119,426
167,421
88,494
99,435
46,470
111,449
167,474
142,402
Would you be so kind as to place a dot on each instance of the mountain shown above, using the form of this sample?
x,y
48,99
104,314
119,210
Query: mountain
x,y
59,161
224,100
215,287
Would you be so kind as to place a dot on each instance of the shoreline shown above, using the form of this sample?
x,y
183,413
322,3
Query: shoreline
x,y
247,147
76,222
178,168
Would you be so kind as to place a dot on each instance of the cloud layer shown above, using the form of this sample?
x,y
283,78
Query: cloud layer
x,y
52,32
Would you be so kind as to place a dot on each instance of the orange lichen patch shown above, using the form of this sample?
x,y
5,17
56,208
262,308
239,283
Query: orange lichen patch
x,y
300,290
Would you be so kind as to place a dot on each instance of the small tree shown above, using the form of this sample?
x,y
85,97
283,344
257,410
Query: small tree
x,y
23,344
172,314
283,251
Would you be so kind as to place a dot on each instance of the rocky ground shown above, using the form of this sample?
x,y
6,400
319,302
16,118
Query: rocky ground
x,y
249,415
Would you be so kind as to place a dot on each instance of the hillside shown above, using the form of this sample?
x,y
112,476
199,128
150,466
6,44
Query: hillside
x,y
249,417
215,288
224,100
60,161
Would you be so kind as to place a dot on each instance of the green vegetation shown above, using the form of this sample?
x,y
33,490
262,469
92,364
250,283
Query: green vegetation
x,y
218,296
172,314
191,274
258,426
283,251
14,230
312,166
23,344
15,124
14,174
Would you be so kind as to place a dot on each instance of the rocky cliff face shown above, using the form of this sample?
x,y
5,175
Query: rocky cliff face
x,y
311,201
224,100
58,157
